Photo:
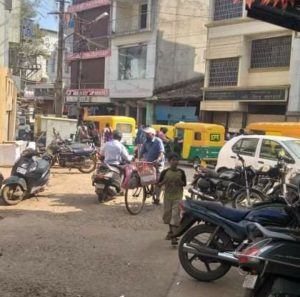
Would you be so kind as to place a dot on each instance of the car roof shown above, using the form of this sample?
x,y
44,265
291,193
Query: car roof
x,y
271,137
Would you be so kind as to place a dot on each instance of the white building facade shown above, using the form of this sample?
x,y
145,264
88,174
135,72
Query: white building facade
x,y
251,69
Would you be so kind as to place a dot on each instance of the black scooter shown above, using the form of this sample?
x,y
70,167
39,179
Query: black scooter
x,y
107,181
28,177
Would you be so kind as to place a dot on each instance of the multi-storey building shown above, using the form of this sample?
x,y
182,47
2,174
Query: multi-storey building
x,y
9,33
152,46
251,69
91,52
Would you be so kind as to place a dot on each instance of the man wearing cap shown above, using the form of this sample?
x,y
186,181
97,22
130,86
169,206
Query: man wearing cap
x,y
153,151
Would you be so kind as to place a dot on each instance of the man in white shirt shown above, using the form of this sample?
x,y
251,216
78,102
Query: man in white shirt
x,y
114,152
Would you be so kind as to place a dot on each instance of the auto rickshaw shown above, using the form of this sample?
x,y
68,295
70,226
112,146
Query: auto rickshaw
x,y
126,125
197,142
171,130
290,129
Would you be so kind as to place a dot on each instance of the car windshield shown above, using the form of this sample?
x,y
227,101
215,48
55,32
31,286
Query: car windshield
x,y
294,146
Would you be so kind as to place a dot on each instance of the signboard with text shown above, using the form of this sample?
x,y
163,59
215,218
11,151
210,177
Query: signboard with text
x,y
247,95
87,92
88,5
89,55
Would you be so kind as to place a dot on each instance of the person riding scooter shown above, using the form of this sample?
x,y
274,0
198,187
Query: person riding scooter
x,y
114,152
109,174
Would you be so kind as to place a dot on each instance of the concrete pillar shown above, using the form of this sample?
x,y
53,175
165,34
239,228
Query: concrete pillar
x,y
127,110
293,108
149,113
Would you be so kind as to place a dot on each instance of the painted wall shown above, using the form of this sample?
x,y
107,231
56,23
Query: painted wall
x,y
233,39
8,102
137,88
181,41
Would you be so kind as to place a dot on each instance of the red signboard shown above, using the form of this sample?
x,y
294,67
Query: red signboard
x,y
87,92
88,5
89,55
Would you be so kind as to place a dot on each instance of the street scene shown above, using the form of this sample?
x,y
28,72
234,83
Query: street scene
x,y
149,148
64,243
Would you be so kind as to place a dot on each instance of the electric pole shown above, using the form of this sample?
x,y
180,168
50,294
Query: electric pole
x,y
59,94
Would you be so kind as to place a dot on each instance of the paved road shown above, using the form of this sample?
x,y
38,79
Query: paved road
x,y
66,245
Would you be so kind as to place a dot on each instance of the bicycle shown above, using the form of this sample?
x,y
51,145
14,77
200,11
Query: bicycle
x,y
135,197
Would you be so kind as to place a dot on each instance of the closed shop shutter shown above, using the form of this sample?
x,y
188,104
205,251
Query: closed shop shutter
x,y
219,118
235,121
252,118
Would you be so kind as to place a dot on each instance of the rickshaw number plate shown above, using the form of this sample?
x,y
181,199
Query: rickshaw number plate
x,y
250,281
100,186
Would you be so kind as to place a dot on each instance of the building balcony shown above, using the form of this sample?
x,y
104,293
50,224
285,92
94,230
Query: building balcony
x,y
131,18
82,5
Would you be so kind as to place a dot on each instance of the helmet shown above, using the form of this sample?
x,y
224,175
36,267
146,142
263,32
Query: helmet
x,y
28,153
117,135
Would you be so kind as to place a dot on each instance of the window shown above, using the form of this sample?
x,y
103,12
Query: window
x,y
270,149
132,62
227,9
124,128
180,133
143,16
294,146
197,136
246,146
271,52
223,72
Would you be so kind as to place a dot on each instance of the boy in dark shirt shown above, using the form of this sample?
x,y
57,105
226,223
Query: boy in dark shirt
x,y
173,180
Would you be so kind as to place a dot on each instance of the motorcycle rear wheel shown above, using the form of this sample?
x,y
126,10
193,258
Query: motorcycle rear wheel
x,y
89,169
239,200
201,268
135,200
9,194
102,196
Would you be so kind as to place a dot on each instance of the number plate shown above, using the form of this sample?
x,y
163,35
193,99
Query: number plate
x,y
250,281
21,170
100,186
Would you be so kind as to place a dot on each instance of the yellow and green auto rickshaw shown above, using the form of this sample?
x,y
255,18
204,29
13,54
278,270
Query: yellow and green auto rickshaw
x,y
199,141
126,125
171,130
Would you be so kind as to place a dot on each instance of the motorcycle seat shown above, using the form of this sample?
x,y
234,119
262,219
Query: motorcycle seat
x,y
231,214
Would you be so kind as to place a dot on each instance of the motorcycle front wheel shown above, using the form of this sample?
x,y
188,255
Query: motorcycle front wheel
x,y
199,267
12,194
240,199
89,165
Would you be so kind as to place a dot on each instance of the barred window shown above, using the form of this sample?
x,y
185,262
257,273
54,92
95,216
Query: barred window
x,y
271,52
226,9
223,72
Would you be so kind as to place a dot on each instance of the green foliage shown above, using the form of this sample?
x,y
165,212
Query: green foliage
x,y
28,8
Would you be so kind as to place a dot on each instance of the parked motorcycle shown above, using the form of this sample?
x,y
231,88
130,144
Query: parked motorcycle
x,y
224,186
272,183
222,229
29,176
272,262
73,155
107,181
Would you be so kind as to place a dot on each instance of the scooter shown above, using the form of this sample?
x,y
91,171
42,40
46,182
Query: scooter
x,y
220,229
29,176
107,181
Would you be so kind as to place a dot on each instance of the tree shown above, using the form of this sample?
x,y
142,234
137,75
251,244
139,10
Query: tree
x,y
282,3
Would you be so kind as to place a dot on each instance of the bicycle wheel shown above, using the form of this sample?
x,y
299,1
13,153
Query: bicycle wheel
x,y
135,200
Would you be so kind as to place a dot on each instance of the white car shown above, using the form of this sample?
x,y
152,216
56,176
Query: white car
x,y
259,151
